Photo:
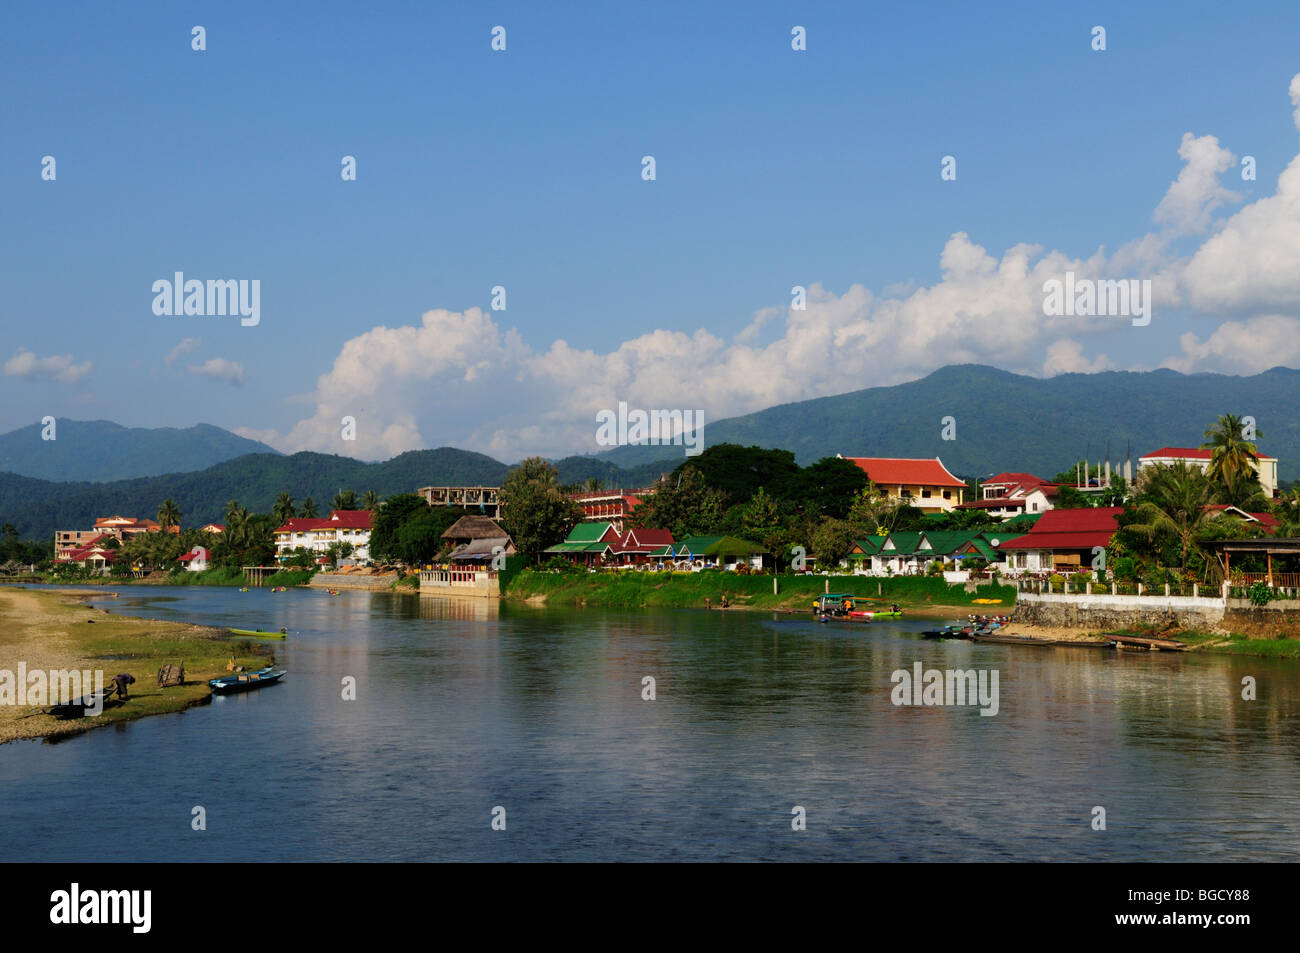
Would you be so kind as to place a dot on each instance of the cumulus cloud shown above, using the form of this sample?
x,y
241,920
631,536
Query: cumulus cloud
x,y
1197,192
59,367
218,368
1066,357
459,378
1241,347
186,345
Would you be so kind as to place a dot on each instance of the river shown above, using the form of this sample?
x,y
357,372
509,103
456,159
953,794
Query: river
x,y
463,706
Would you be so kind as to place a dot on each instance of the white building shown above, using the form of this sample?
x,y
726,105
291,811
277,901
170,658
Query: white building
x,y
1265,467
316,535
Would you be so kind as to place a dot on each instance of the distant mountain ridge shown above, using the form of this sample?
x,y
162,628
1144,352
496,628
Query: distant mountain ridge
x,y
102,451
38,507
1002,421
1006,421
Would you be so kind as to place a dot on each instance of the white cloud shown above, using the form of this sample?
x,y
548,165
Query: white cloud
x,y
60,367
1197,192
186,345
1241,347
1066,357
218,368
459,378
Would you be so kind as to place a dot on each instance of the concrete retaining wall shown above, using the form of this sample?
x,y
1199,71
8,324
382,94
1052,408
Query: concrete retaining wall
x,y
347,580
1110,611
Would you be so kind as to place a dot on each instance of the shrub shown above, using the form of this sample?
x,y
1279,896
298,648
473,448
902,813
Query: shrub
x,y
1261,594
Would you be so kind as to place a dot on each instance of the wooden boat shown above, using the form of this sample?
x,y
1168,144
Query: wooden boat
x,y
260,634
1135,641
1081,644
949,632
243,681
1010,639
78,708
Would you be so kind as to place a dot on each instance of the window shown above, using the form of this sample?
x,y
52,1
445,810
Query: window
x,y
906,494
926,494
947,494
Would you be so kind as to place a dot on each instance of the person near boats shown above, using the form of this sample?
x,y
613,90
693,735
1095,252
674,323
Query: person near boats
x,y
122,680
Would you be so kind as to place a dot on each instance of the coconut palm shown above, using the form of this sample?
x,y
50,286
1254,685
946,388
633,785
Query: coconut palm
x,y
1233,459
282,511
344,500
308,509
1173,505
169,514
370,500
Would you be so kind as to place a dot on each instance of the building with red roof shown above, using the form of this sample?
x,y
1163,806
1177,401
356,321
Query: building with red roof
x,y
924,482
1063,540
638,546
315,534
609,506
121,528
197,559
1199,457
1010,494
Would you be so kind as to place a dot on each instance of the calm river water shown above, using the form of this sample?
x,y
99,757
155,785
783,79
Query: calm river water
x,y
465,706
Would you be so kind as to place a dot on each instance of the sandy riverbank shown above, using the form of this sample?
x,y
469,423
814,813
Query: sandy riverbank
x,y
53,630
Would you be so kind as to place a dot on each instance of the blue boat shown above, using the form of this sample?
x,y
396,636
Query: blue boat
x,y
243,681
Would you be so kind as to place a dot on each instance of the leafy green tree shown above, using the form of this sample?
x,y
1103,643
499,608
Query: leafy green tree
x,y
829,486
831,542
283,511
386,526
1172,505
533,510
1233,458
739,471
370,501
308,510
873,512
682,503
344,500
169,514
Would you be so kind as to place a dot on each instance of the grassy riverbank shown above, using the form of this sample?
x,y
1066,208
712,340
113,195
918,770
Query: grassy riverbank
x,y
208,577
53,630
627,590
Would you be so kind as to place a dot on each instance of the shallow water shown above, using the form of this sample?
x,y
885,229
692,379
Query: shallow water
x,y
463,706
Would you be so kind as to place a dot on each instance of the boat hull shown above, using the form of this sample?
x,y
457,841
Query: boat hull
x,y
245,681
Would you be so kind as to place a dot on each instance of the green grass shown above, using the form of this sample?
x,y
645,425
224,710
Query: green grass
x,y
682,590
290,577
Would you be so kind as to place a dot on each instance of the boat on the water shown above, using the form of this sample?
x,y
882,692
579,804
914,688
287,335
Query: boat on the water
x,y
994,637
260,634
243,681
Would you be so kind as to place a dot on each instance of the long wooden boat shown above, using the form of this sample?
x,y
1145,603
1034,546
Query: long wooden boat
x,y
1137,641
78,708
243,681
1082,644
259,634
1010,639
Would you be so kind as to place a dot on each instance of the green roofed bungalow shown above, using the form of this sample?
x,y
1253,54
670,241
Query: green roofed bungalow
x,y
586,544
719,552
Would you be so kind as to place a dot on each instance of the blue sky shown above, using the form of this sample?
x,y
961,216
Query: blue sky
x,y
523,169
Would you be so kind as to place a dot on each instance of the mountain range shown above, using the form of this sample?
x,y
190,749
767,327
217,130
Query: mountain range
x,y
997,421
117,452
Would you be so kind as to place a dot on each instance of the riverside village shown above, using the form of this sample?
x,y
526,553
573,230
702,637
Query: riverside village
x,y
1200,541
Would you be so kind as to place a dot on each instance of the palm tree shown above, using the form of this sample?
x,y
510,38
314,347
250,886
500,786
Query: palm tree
x,y
169,514
308,509
282,510
370,501
344,500
1234,459
1173,504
